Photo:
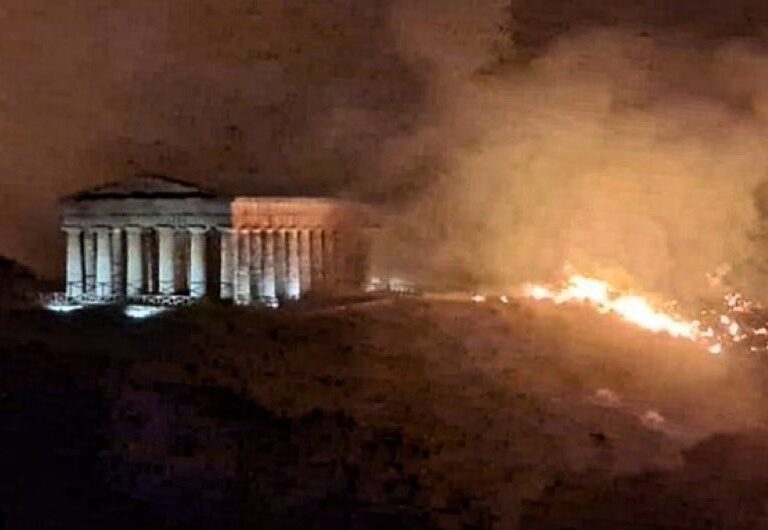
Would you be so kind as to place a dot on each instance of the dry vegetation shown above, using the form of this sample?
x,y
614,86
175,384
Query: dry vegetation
x,y
397,413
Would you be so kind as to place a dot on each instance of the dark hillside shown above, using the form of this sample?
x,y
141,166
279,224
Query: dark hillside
x,y
19,287
402,413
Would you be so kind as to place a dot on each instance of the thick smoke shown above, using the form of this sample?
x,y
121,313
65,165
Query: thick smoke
x,y
625,141
244,96
507,138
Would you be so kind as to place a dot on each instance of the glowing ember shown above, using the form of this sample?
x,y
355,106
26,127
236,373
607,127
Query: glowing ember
x,y
538,292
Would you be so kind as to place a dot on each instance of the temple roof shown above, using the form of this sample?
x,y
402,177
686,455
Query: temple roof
x,y
144,187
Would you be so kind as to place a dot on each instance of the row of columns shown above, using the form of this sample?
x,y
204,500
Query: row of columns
x,y
96,265
265,264
256,264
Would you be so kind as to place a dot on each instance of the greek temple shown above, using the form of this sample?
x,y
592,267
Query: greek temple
x,y
160,241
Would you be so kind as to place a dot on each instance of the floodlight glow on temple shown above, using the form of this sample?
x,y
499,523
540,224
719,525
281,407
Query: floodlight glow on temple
x,y
62,307
155,241
141,312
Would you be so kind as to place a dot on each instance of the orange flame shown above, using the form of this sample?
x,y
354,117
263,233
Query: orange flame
x,y
630,307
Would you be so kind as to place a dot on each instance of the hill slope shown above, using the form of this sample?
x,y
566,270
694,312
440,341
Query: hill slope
x,y
19,287
397,413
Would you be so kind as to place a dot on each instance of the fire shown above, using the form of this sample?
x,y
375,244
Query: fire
x,y
641,312
637,310
631,307
739,323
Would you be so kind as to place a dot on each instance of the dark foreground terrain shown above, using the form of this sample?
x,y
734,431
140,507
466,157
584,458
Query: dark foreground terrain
x,y
401,413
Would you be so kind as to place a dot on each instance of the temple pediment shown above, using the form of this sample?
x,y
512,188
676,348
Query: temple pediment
x,y
144,187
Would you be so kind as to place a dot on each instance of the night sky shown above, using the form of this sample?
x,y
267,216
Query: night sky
x,y
447,111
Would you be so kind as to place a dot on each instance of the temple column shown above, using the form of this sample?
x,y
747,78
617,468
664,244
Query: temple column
x,y
197,269
256,265
226,288
165,260
103,263
235,262
305,263
89,261
149,261
329,260
243,283
134,268
74,285
366,256
117,262
293,286
340,260
268,291
281,269
316,257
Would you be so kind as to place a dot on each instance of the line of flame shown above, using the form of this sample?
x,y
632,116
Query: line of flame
x,y
632,308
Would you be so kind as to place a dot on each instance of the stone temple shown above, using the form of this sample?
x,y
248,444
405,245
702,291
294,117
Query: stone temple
x,y
160,241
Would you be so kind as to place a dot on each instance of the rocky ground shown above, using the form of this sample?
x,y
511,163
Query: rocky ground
x,y
395,413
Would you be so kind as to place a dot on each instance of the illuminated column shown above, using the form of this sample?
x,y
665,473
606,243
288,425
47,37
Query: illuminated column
x,y
256,266
103,263
74,261
243,283
134,267
329,259
89,259
149,261
117,262
235,260
165,260
226,289
305,267
268,285
197,271
293,286
316,257
280,263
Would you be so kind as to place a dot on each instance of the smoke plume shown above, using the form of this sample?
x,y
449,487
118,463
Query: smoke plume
x,y
625,140
507,138
243,96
